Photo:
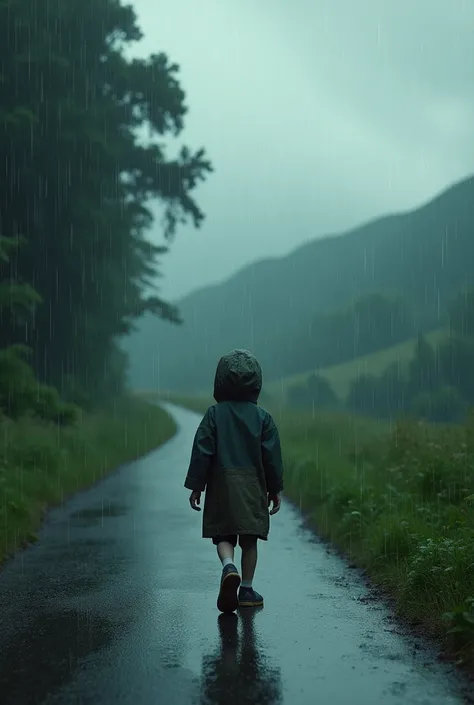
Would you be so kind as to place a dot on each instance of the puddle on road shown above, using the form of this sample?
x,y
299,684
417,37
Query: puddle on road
x,y
94,515
239,667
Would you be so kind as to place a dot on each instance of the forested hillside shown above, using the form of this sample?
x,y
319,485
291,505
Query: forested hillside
x,y
417,260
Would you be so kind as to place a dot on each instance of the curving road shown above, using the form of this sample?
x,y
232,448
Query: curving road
x,y
116,605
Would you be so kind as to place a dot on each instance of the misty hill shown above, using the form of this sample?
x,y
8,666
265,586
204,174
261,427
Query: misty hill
x,y
426,255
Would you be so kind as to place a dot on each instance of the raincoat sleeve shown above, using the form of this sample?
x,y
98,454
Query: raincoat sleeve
x,y
271,457
202,454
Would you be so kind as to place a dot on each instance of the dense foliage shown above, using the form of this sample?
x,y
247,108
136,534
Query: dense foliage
x,y
76,179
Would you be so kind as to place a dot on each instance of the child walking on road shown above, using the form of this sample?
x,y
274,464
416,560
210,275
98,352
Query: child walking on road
x,y
236,458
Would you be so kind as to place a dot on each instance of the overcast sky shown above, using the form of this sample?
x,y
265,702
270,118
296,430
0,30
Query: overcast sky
x,y
317,115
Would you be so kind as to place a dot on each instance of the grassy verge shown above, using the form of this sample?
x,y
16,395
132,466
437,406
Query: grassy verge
x,y
400,506
399,502
41,464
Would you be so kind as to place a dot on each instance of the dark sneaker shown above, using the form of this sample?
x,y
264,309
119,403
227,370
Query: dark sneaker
x,y
230,581
248,597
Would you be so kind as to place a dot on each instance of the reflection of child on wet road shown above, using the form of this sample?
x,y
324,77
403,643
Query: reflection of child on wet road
x,y
239,672
236,458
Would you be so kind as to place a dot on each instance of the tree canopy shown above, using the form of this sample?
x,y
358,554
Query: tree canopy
x,y
77,179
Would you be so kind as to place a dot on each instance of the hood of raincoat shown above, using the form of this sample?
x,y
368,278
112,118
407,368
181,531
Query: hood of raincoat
x,y
238,377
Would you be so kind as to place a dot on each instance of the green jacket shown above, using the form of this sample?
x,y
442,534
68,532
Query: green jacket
x,y
236,454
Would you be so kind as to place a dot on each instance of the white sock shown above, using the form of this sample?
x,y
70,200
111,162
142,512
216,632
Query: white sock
x,y
246,584
227,561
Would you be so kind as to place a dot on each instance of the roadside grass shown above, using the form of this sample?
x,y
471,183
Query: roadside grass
x,y
400,506
41,464
398,501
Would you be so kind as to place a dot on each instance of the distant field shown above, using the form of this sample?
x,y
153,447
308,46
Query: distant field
x,y
340,376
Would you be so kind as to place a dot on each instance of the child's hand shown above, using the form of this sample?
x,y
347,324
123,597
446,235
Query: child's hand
x,y
276,499
194,500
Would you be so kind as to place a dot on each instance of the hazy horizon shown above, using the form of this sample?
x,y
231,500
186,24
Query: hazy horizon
x,y
317,118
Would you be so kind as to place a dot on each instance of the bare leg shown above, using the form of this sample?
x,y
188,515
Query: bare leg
x,y
225,550
248,545
227,600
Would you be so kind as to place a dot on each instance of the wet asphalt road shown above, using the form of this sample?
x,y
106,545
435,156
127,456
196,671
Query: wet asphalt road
x,y
117,605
